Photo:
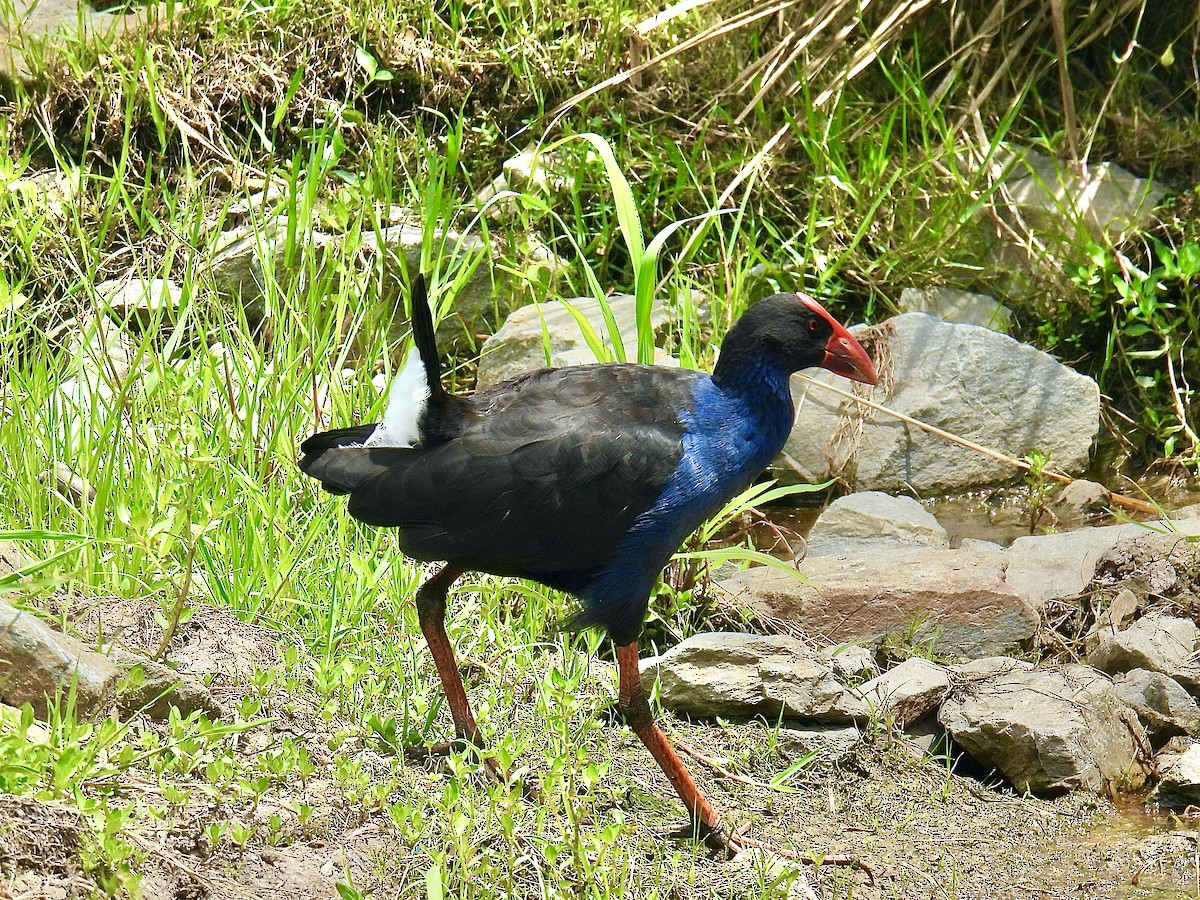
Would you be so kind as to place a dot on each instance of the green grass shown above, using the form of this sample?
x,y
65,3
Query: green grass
x,y
350,111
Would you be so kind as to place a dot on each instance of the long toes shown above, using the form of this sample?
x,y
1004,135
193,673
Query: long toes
x,y
717,838
433,751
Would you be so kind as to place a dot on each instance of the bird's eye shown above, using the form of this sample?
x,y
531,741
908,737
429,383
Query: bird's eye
x,y
812,325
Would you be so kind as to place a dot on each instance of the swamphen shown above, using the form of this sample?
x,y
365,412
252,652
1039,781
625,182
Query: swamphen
x,y
585,478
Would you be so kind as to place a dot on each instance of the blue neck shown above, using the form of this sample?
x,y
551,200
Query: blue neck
x,y
762,388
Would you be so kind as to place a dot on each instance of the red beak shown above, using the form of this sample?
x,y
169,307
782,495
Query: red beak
x,y
846,357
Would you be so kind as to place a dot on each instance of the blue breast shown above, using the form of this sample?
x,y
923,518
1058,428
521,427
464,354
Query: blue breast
x,y
733,431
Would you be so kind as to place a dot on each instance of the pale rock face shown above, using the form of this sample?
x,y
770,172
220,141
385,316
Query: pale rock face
x,y
968,380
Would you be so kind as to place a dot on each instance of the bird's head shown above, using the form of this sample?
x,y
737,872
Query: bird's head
x,y
793,331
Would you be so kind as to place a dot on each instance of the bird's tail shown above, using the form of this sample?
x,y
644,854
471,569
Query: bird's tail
x,y
425,339
326,457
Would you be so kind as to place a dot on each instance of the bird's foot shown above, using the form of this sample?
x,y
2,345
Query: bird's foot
x,y
717,838
729,843
492,770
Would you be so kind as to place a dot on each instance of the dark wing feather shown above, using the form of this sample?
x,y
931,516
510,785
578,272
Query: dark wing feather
x,y
542,481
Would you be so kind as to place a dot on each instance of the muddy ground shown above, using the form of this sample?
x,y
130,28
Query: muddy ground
x,y
922,828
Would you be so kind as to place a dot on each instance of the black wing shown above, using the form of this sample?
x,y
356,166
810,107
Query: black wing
x,y
544,478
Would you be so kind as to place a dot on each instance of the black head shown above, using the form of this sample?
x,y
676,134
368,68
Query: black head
x,y
793,332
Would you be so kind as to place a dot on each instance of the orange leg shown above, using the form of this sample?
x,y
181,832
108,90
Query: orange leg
x,y
431,613
631,699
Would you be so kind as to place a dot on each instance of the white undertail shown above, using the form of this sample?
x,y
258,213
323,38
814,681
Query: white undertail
x,y
407,398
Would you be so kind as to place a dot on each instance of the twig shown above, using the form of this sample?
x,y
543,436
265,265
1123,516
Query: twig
x,y
1119,499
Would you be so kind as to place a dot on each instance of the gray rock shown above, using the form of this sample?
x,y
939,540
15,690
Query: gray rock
x,y
59,19
154,689
1164,706
1082,496
12,558
1178,768
729,674
1056,200
1159,643
244,257
481,301
832,741
907,692
958,598
140,301
961,307
1048,730
103,348
1044,566
867,519
978,545
40,666
69,483
954,377
986,667
519,344
852,663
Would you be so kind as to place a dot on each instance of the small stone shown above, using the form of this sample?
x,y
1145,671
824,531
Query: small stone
x,y
732,674
153,688
1179,775
852,662
1048,730
12,558
1119,613
39,665
1164,706
953,377
75,486
908,692
519,345
141,300
866,519
956,600
1159,643
961,307
1082,496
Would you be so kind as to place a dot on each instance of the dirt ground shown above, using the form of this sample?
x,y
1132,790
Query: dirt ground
x,y
924,831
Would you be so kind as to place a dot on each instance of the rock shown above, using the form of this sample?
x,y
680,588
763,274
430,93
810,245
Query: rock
x,y
1048,730
860,521
1055,198
957,597
68,483
64,18
1160,565
480,303
12,558
729,674
907,692
1082,496
52,192
141,301
1118,614
1045,566
540,172
39,666
1157,642
243,258
950,376
519,344
852,663
961,307
153,688
103,349
986,667
832,741
1178,768
978,545
1164,706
